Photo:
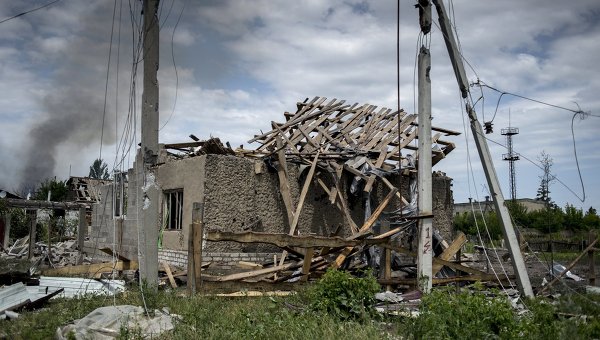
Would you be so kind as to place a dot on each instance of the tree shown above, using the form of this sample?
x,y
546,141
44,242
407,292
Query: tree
x,y
58,190
543,193
591,220
518,212
99,169
573,219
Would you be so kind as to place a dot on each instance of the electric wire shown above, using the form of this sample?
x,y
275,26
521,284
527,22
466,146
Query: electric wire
x,y
174,66
112,29
29,11
398,103
540,167
578,111
575,153
471,182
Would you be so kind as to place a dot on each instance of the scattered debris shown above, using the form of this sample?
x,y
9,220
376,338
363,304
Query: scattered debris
x,y
117,321
19,296
558,268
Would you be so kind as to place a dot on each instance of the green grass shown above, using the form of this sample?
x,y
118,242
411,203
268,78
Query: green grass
x,y
210,317
470,314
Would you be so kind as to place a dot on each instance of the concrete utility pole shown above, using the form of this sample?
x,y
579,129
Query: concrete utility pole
x,y
425,250
147,190
424,187
484,154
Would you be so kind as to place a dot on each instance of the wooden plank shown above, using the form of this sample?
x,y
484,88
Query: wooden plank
x,y
437,281
110,252
284,185
246,275
253,293
249,265
450,251
452,265
95,268
345,211
378,164
389,233
169,274
184,145
303,193
281,240
571,265
368,223
390,185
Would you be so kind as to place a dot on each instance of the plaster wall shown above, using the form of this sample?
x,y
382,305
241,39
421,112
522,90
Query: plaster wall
x,y
241,194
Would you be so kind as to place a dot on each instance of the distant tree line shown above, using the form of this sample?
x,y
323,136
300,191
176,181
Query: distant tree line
x,y
548,220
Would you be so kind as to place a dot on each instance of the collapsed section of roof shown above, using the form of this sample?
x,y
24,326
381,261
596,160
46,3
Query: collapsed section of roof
x,y
341,131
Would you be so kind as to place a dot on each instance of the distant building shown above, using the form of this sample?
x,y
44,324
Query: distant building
x,y
488,205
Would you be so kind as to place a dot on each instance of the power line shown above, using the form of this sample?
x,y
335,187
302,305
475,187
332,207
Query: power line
x,y
29,11
502,93
174,64
537,165
112,30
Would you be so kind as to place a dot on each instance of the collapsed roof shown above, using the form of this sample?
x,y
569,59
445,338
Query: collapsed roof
x,y
341,131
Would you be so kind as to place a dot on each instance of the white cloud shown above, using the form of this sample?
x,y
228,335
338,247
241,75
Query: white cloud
x,y
241,64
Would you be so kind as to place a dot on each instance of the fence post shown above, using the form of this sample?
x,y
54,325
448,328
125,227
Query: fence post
x,y
591,261
195,248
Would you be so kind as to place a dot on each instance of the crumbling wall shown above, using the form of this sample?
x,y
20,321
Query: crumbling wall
x,y
118,233
443,205
237,198
242,194
187,175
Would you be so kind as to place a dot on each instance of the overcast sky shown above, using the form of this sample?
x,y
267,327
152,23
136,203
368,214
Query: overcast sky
x,y
242,64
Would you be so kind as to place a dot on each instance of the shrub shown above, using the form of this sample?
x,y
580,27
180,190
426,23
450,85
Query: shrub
x,y
343,295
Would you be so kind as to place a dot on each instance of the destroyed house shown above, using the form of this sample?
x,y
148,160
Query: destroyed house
x,y
323,172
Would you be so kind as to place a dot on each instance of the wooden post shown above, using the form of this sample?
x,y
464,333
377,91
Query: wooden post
x,y
32,221
191,282
306,265
50,221
387,269
6,231
195,253
591,261
81,233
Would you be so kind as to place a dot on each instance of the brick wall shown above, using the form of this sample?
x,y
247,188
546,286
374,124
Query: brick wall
x,y
220,260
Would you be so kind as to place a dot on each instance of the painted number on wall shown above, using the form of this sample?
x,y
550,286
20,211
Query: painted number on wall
x,y
427,243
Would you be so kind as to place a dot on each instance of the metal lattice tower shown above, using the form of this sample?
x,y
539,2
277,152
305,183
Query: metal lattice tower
x,y
511,157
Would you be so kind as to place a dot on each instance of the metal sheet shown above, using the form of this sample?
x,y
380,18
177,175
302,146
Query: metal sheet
x,y
74,286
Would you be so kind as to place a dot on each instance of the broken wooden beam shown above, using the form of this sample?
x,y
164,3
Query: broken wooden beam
x,y
281,240
449,252
169,274
105,267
